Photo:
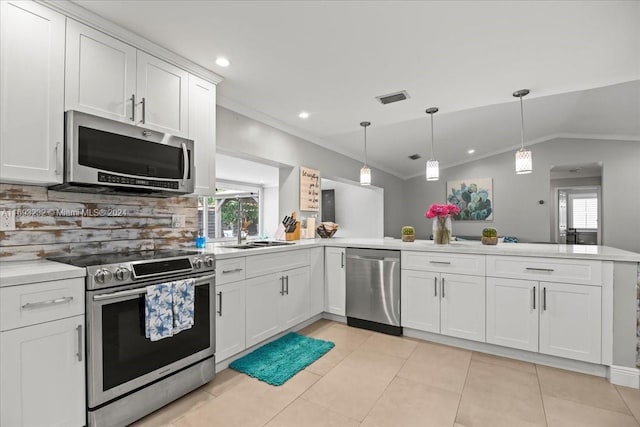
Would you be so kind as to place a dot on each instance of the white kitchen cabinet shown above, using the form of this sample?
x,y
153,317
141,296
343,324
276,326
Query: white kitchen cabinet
x,y
230,319
43,374
512,313
202,130
100,76
335,281
273,305
316,281
462,306
420,300
31,93
571,321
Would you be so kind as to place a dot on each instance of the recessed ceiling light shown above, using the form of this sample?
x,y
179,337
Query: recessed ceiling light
x,y
303,115
222,61
471,151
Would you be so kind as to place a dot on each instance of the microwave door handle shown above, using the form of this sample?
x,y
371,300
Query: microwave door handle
x,y
185,162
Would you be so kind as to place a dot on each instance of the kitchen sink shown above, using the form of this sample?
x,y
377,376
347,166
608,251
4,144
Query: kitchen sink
x,y
254,244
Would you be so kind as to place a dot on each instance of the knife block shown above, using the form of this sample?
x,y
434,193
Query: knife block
x,y
295,234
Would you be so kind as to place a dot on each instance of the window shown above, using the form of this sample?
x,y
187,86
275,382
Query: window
x,y
218,216
584,211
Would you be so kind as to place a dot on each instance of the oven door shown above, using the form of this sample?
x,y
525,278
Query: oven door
x,y
121,359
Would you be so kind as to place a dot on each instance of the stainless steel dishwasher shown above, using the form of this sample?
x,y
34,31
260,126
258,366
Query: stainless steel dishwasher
x,y
373,290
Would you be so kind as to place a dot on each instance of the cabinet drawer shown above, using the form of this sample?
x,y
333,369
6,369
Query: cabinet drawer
x,y
585,272
445,263
230,270
40,302
259,265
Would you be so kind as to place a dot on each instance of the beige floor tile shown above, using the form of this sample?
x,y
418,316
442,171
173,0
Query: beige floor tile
x,y
407,403
438,366
565,413
304,413
354,385
631,397
316,327
167,415
491,378
518,365
328,361
581,388
250,403
343,336
223,381
389,344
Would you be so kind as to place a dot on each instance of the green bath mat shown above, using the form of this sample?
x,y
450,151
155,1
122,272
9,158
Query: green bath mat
x,y
279,360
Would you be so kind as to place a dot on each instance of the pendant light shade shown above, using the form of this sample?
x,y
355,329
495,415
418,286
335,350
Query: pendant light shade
x,y
433,166
524,160
365,172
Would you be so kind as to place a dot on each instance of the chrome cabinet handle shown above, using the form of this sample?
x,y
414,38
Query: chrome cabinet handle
x,y
281,285
435,286
40,304
287,289
544,299
220,304
144,111
133,108
342,260
235,270
58,170
442,290
539,269
79,353
534,297
440,262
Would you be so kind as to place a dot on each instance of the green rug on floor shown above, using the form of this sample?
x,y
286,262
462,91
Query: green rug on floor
x,y
279,360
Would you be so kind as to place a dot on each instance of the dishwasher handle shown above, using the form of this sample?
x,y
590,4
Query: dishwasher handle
x,y
373,258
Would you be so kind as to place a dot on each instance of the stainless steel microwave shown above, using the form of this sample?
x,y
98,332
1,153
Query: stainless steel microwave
x,y
107,156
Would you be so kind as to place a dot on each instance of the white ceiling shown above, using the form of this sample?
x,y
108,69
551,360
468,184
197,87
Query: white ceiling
x,y
580,59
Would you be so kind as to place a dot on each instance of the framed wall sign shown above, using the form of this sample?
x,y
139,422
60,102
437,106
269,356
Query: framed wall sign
x,y
309,189
474,198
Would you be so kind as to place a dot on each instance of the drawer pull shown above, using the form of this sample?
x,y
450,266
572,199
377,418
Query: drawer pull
x,y
79,353
440,262
34,305
549,270
235,270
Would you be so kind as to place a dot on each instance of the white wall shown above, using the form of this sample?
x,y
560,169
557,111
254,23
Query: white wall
x,y
270,215
517,212
359,210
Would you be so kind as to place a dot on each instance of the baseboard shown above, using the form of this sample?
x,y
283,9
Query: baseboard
x,y
334,317
621,375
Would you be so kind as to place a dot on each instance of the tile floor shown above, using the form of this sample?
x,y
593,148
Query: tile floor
x,y
370,379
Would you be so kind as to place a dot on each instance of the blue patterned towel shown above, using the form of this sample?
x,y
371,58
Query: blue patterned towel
x,y
183,304
158,311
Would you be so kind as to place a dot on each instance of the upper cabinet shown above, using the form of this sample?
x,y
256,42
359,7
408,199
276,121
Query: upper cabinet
x,y
112,79
202,129
31,93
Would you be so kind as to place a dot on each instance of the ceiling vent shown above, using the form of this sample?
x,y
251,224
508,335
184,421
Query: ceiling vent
x,y
415,156
393,97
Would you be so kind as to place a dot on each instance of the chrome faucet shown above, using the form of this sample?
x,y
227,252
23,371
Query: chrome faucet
x,y
240,221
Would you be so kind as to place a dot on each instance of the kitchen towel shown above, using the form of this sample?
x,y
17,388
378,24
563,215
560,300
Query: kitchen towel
x,y
183,304
158,311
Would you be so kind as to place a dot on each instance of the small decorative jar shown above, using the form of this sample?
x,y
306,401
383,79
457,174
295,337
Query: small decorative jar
x,y
489,236
408,233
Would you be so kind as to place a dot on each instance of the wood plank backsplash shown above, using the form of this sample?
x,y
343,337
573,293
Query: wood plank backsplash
x,y
54,223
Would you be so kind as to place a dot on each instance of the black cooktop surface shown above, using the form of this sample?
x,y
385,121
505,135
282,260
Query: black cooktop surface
x,y
115,258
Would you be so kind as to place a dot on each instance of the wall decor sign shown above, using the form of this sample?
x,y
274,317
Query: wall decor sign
x,y
474,198
309,189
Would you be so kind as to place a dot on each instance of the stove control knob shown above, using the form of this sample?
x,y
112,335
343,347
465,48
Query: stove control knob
x,y
122,273
103,276
209,261
197,263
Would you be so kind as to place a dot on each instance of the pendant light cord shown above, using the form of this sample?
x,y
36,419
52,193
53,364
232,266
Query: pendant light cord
x,y
365,145
521,124
431,136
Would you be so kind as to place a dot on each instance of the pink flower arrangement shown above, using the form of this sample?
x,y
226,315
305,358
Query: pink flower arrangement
x,y
441,211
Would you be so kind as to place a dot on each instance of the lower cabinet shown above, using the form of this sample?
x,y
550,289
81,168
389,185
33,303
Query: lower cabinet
x,y
275,302
230,319
335,281
450,304
558,319
43,374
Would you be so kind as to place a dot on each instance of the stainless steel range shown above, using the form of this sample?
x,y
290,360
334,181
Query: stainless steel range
x,y
128,375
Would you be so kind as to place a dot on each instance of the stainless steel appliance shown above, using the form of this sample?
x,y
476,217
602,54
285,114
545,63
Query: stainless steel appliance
x,y
107,156
373,290
128,375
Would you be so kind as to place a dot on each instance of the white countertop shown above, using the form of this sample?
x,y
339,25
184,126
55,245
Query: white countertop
x,y
33,271
604,253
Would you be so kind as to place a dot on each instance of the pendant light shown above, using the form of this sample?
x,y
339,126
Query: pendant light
x,y
433,166
365,172
524,161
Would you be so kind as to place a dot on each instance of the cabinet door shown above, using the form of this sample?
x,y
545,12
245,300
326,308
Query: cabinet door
x,y
230,319
462,306
335,281
294,306
162,91
202,129
31,93
512,313
42,370
420,300
316,281
100,75
262,302
570,321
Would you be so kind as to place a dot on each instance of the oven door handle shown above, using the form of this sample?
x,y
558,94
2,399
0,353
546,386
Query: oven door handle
x,y
138,291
